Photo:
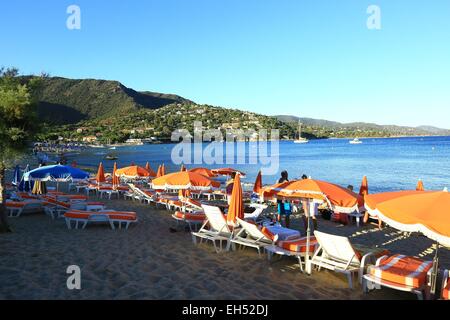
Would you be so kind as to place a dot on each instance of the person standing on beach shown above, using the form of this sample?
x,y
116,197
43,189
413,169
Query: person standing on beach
x,y
281,205
229,186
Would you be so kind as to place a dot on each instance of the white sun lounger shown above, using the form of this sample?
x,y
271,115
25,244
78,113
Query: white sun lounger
x,y
337,254
218,229
253,238
255,215
15,209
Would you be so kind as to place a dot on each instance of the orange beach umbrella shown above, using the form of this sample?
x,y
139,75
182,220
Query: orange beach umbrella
x,y
364,189
420,186
150,170
258,183
133,172
204,171
158,172
338,198
236,208
184,180
100,173
115,178
427,212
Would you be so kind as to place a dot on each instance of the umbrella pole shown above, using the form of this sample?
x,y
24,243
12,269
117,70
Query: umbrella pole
x,y
434,273
308,233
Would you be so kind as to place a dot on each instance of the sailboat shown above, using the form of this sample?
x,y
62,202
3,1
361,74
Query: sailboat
x,y
355,141
300,139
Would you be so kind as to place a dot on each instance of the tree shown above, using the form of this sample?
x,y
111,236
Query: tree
x,y
17,125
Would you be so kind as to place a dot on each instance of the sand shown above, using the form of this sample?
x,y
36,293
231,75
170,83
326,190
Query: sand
x,y
150,262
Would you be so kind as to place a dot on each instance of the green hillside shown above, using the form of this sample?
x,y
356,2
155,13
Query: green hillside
x,y
64,101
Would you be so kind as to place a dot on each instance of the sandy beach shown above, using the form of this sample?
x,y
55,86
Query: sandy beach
x,y
148,261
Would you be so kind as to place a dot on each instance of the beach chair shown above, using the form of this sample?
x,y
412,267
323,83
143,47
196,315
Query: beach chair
x,y
79,219
254,236
16,208
399,272
336,253
214,229
192,219
256,214
445,294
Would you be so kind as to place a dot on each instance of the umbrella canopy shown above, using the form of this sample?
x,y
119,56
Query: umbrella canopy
x,y
133,172
17,176
258,183
58,173
184,180
420,186
150,170
100,173
204,171
414,211
364,189
236,208
163,169
227,171
339,198
39,188
115,178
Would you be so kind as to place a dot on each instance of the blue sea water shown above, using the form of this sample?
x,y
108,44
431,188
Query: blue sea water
x,y
390,163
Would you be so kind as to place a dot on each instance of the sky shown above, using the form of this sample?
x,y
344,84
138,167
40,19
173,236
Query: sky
x,y
305,58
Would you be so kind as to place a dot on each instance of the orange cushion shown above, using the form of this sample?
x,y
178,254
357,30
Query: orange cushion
x,y
298,245
267,233
116,215
403,270
445,291
190,216
15,204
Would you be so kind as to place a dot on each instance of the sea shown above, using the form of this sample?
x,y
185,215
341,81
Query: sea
x,y
390,164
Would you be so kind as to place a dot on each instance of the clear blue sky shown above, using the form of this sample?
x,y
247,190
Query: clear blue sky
x,y
305,58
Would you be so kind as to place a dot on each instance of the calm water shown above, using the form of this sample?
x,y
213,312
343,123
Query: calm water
x,y
390,164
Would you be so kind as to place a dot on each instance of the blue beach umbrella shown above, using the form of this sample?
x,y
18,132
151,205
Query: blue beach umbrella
x,y
17,176
58,173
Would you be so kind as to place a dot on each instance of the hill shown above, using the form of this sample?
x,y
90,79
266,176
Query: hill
x,y
359,129
65,101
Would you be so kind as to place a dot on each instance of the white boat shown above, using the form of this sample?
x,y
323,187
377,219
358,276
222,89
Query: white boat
x,y
300,139
355,141
112,148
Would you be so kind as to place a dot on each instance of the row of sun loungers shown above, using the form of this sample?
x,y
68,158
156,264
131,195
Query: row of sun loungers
x,y
75,209
374,267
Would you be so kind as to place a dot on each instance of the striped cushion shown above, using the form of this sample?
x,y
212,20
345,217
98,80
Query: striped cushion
x,y
115,215
298,245
190,216
402,270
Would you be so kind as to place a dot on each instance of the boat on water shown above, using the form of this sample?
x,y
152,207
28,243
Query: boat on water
x,y
300,139
111,157
112,148
355,141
